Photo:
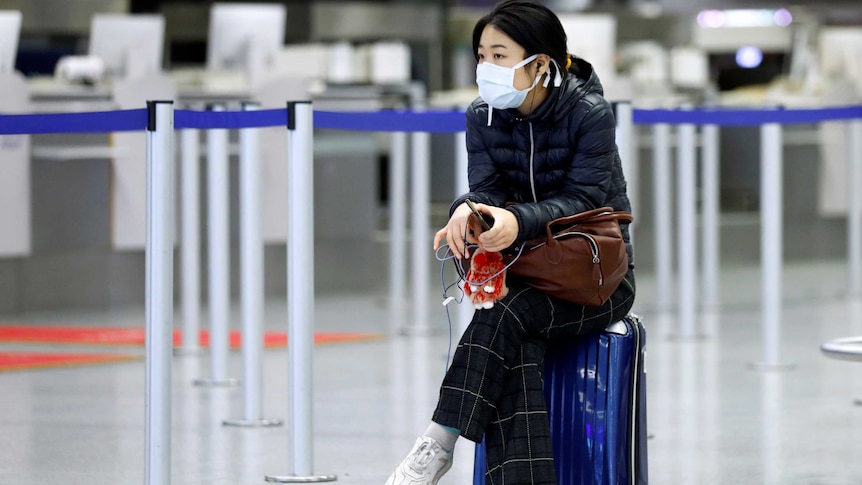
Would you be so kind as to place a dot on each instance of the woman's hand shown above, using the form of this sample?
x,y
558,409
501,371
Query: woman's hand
x,y
463,229
456,230
504,231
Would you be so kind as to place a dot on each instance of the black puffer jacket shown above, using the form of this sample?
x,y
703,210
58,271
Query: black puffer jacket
x,y
560,160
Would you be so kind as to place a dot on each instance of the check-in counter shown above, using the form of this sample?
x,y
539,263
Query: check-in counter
x,y
81,259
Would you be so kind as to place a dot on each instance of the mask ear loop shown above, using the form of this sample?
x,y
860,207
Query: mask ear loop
x,y
558,78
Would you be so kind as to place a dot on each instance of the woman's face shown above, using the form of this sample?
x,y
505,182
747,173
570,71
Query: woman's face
x,y
498,48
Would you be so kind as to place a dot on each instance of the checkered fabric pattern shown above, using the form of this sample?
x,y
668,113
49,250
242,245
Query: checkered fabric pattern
x,y
494,387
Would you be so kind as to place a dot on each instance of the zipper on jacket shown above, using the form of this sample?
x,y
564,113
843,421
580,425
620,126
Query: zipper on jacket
x,y
532,171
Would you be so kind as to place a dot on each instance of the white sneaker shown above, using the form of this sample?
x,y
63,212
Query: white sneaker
x,y
425,464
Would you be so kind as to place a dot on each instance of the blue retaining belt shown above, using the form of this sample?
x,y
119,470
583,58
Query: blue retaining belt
x,y
135,120
424,121
408,121
229,120
387,121
98,122
748,117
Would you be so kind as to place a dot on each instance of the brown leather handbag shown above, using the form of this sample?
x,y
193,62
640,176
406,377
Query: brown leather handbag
x,y
582,258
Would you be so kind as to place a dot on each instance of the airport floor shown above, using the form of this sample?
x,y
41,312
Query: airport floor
x,y
712,419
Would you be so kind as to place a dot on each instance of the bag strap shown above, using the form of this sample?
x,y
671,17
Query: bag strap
x,y
595,215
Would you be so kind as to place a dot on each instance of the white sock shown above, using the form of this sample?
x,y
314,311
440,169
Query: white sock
x,y
443,435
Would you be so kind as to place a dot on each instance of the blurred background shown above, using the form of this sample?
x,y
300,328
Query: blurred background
x,y
73,215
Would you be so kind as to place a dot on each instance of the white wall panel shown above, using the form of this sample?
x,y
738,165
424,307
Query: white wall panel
x,y
15,234
129,165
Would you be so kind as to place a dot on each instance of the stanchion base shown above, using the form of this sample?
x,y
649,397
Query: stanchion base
x,y
418,331
230,382
253,423
188,351
315,479
771,366
686,337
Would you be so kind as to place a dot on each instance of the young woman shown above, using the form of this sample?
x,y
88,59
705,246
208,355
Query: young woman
x,y
541,135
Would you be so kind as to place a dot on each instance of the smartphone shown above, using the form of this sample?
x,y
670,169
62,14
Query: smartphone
x,y
484,220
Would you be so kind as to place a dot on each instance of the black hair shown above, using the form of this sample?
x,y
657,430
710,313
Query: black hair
x,y
533,26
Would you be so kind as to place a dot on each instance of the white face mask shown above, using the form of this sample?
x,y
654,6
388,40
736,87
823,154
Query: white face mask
x,y
497,84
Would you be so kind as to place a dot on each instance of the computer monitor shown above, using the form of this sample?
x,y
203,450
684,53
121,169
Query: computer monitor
x,y
729,73
244,34
130,45
10,30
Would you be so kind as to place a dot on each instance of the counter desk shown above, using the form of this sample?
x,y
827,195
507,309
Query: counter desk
x,y
87,199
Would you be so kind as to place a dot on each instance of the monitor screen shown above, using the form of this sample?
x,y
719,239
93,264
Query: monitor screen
x,y
130,45
10,30
236,29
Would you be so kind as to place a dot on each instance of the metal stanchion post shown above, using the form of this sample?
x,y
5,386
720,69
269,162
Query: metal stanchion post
x,y
398,230
160,290
251,279
420,233
854,213
190,243
771,247
218,255
662,212
687,203
462,185
711,217
626,137
300,298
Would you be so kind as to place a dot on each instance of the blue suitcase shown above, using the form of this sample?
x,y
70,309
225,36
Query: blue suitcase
x,y
596,397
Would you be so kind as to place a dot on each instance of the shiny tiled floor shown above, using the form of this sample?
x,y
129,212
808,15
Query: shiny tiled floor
x,y
712,420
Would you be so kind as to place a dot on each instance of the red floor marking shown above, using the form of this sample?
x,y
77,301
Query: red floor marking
x,y
136,336
40,360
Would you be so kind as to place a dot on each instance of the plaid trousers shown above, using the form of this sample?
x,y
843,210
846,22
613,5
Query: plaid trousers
x,y
494,387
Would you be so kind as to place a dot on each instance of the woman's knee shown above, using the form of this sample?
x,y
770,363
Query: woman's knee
x,y
525,311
